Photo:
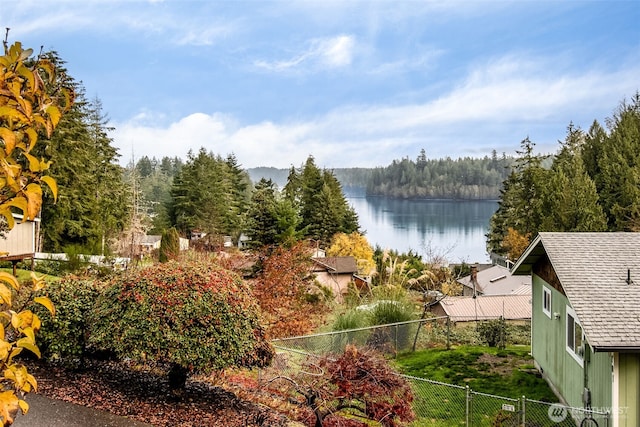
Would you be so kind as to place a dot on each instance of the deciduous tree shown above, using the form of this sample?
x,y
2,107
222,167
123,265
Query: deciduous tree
x,y
357,246
357,381
27,109
284,289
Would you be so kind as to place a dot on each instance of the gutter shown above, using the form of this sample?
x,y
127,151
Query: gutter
x,y
617,349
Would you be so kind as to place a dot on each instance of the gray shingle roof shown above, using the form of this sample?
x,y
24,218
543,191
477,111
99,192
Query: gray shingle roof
x,y
593,268
338,264
497,280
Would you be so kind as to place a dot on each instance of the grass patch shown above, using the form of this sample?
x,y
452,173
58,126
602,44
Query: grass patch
x,y
24,276
488,370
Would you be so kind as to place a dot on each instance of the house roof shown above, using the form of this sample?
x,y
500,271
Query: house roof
x,y
339,264
593,269
510,307
150,239
498,280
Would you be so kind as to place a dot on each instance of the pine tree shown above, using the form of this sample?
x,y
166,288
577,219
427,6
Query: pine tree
x,y
262,220
570,199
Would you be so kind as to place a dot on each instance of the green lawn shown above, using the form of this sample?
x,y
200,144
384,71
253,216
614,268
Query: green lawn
x,y
25,275
509,372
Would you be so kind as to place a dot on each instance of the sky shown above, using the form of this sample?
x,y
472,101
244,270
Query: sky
x,y
351,83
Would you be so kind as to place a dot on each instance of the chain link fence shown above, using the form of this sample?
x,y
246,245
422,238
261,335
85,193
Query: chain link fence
x,y
442,404
435,403
415,335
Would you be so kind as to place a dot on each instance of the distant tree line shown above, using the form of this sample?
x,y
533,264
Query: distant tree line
x,y
593,184
463,178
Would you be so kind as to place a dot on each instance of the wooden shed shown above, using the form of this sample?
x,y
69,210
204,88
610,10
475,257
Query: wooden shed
x,y
19,243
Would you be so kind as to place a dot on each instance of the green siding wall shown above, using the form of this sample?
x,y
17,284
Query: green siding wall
x,y
629,389
548,347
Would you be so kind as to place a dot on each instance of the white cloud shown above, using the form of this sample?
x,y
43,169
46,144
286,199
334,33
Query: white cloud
x,y
496,106
321,53
337,51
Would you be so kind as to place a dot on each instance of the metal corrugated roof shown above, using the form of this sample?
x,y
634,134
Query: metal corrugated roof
x,y
510,307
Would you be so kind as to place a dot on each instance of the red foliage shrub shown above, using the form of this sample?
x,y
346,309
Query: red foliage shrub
x,y
283,292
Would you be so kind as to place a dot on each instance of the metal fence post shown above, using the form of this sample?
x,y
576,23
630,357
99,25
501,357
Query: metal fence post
x,y
524,411
468,403
448,332
396,341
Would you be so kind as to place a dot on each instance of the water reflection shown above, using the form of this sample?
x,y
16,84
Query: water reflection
x,y
446,227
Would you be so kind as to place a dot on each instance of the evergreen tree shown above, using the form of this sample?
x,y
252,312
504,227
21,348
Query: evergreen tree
x,y
618,179
262,219
570,200
323,208
209,194
169,245
86,165
521,200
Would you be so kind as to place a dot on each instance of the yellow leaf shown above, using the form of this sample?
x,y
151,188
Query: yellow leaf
x,y
5,347
53,186
24,343
33,193
5,294
54,115
33,137
36,324
46,302
9,405
8,216
13,114
15,320
34,163
38,281
9,139
10,279
16,351
31,380
48,67
30,77
25,321
1,331
18,202
29,333
24,406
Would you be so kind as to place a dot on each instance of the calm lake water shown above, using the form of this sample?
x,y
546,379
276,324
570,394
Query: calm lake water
x,y
453,228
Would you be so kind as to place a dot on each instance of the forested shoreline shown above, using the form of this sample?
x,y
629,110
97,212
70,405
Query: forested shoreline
x,y
464,178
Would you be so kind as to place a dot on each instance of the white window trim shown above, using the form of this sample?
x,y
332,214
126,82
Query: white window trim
x,y
570,312
546,291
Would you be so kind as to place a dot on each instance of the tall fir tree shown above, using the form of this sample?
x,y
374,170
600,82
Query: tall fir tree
x,y
618,176
86,164
570,199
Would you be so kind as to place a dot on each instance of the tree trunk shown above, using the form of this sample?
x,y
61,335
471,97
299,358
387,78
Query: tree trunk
x,y
177,378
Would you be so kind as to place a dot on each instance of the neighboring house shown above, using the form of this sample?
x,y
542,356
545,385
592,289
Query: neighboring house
x,y
494,280
19,243
149,243
335,273
586,318
467,309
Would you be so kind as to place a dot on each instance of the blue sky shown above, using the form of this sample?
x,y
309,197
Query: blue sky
x,y
351,83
